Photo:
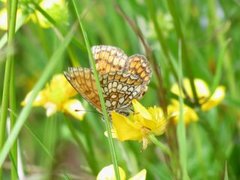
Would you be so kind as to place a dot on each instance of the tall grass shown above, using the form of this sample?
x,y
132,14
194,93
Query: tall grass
x,y
9,87
104,109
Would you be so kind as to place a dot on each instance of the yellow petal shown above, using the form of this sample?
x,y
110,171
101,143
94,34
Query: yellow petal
x,y
156,125
138,108
39,101
3,19
125,129
107,173
201,88
51,108
157,117
215,99
74,107
60,89
189,115
140,176
200,85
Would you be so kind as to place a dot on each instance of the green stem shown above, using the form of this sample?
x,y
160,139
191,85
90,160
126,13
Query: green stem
x,y
161,39
162,146
184,54
50,141
89,156
13,108
7,75
53,62
199,149
151,57
181,130
92,155
102,101
37,139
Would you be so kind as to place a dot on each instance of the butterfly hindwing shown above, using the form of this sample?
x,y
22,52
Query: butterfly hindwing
x,y
139,65
120,88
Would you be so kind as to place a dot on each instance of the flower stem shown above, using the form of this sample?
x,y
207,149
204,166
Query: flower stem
x,y
184,55
102,101
89,156
13,108
162,146
53,62
159,33
12,11
181,130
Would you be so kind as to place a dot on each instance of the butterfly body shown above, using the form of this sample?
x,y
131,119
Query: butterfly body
x,y
122,78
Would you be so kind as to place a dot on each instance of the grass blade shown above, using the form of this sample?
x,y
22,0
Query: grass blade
x,y
12,13
173,11
181,131
104,110
54,60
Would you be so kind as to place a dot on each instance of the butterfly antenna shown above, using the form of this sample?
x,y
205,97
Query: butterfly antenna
x,y
79,110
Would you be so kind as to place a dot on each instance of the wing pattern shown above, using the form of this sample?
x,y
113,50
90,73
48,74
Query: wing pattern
x,y
122,78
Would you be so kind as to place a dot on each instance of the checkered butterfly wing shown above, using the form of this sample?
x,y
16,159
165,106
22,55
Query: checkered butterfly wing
x,y
139,66
119,89
109,59
122,79
84,83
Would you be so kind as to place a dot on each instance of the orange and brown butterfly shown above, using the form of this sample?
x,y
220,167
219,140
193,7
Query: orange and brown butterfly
x,y
122,78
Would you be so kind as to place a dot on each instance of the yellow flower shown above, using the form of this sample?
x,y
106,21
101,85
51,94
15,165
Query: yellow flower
x,y
3,18
189,115
56,97
56,9
139,124
107,173
206,100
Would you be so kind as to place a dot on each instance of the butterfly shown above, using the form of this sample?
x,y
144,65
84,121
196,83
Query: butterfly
x,y
122,78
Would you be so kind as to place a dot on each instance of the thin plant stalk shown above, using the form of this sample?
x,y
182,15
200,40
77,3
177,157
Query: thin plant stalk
x,y
54,60
150,55
181,131
13,108
176,21
163,43
224,58
89,157
7,75
39,141
159,33
199,149
102,101
162,146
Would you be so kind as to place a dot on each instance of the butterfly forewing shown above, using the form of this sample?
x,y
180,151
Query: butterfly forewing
x,y
83,81
122,79
109,58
